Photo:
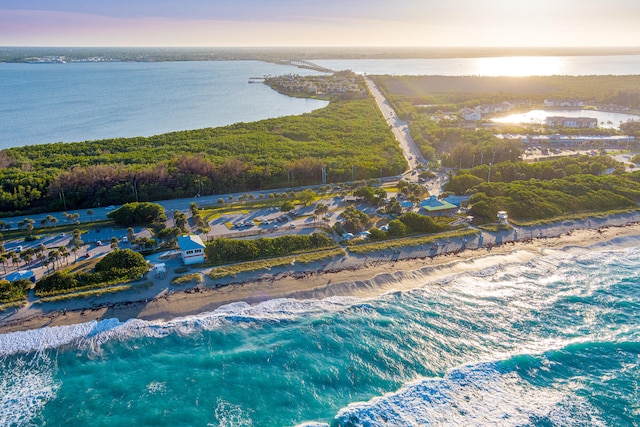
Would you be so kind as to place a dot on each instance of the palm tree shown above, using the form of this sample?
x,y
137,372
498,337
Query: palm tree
x,y
114,243
131,235
15,260
27,258
64,253
90,213
3,260
53,255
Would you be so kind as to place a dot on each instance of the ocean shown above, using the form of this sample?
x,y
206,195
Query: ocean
x,y
546,340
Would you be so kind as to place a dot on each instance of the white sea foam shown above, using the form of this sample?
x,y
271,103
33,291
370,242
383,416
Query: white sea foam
x,y
476,395
51,337
95,333
229,415
26,385
465,275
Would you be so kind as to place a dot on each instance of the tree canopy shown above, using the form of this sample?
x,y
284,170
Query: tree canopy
x,y
346,137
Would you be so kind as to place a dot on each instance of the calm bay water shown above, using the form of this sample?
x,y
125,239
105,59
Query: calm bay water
x,y
606,119
493,66
42,103
548,341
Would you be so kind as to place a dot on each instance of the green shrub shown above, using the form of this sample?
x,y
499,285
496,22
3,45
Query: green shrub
x,y
220,251
122,263
14,291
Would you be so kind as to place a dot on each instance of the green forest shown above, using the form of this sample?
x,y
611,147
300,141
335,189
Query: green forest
x,y
349,137
532,191
474,90
417,98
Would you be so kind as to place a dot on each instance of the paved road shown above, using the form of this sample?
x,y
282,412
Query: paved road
x,y
400,129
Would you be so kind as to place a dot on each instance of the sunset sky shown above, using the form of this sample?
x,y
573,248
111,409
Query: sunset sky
x,y
319,23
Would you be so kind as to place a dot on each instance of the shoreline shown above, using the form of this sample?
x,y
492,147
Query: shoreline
x,y
366,280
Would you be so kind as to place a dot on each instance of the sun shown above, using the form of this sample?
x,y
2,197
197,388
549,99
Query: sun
x,y
518,66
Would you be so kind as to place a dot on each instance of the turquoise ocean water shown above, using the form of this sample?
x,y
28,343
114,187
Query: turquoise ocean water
x,y
552,340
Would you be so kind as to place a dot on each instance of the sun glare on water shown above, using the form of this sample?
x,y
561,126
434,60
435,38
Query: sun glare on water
x,y
518,66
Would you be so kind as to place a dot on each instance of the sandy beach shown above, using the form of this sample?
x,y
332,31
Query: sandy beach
x,y
362,277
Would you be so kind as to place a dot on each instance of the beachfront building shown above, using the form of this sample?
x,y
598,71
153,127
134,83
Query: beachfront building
x,y
571,103
571,122
191,249
21,274
469,114
435,207
503,217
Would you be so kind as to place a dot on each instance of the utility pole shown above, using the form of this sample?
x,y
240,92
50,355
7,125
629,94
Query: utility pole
x,y
64,201
134,187
324,175
489,177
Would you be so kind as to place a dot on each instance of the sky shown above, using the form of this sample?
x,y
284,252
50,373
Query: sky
x,y
466,23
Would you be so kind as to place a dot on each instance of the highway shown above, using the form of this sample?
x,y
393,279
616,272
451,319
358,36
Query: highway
x,y
399,128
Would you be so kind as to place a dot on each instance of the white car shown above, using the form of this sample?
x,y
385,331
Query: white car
x,y
109,208
125,240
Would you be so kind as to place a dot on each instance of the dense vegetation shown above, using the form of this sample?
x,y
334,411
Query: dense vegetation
x,y
117,266
142,213
423,99
350,138
474,90
220,251
14,291
547,189
466,179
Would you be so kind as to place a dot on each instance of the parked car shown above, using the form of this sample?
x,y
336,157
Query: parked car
x,y
109,208
98,243
125,240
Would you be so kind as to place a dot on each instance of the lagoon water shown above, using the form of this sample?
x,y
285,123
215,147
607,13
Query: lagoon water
x,y
606,119
514,66
548,341
43,103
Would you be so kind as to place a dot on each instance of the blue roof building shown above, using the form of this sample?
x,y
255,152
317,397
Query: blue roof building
x,y
435,207
191,249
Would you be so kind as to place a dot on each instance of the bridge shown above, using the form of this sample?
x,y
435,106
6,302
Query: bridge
x,y
308,65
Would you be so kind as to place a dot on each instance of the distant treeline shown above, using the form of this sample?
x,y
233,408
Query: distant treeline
x,y
350,138
475,90
274,54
